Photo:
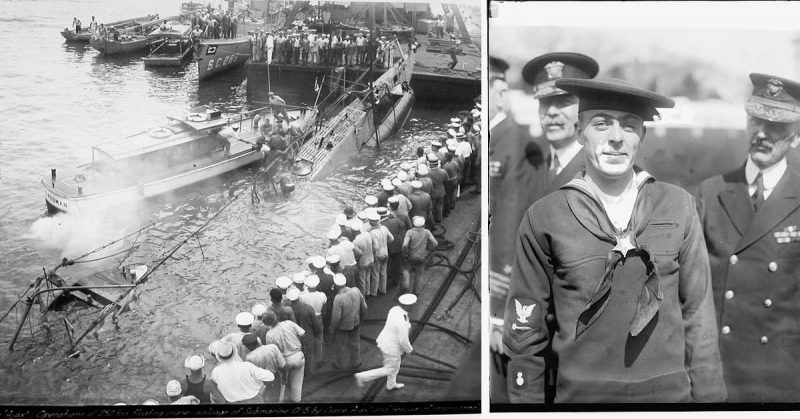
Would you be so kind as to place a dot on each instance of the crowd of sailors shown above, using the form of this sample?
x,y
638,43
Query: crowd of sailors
x,y
302,47
214,24
313,317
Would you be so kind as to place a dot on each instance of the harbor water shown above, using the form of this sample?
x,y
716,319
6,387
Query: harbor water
x,y
59,99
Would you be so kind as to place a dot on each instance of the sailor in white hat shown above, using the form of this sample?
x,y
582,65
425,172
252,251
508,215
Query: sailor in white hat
x,y
349,308
283,283
238,382
371,200
415,246
381,237
393,341
298,282
195,383
422,176
244,321
316,299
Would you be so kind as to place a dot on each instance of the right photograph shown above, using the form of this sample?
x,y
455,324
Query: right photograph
x,y
644,201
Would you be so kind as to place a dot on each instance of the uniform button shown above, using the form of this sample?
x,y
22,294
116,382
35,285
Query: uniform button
x,y
728,294
773,266
734,259
726,330
767,303
764,340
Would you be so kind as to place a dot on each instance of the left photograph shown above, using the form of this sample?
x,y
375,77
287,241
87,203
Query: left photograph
x,y
241,206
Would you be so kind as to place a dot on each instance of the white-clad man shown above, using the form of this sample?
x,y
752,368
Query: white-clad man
x,y
237,381
393,342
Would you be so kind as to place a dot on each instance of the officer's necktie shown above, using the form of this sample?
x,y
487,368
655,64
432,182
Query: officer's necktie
x,y
758,196
553,172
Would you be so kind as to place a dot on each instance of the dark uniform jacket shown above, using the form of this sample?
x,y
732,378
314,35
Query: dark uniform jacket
x,y
561,259
755,266
511,189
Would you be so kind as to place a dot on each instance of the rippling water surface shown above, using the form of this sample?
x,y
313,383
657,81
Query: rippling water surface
x,y
58,99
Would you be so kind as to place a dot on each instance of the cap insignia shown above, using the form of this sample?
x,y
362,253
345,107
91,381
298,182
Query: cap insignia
x,y
774,87
554,70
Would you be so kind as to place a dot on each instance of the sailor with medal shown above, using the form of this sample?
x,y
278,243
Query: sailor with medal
x,y
621,259
750,218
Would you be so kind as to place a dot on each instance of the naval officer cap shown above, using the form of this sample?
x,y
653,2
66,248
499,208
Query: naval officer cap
x,y
774,99
543,71
616,95
407,299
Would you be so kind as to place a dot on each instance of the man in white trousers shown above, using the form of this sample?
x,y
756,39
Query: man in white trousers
x,y
393,343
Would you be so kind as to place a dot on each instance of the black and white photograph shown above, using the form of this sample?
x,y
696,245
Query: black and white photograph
x,y
240,208
644,205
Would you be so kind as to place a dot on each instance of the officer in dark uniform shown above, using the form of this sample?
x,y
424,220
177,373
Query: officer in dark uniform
x,y
536,175
510,173
619,259
558,115
750,219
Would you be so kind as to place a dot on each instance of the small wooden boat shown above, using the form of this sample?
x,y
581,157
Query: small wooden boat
x,y
86,35
130,39
214,56
186,150
173,49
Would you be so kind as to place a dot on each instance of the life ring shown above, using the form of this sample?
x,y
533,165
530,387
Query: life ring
x,y
160,132
197,117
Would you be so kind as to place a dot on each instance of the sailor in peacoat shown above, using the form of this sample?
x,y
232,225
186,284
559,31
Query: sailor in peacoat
x,y
619,259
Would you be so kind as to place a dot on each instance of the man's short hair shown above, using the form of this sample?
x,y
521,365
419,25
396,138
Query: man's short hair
x,y
275,295
270,318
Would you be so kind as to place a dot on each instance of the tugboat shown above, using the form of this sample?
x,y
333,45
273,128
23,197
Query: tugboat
x,y
186,150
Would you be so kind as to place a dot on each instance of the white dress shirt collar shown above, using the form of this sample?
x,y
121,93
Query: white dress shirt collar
x,y
565,154
771,175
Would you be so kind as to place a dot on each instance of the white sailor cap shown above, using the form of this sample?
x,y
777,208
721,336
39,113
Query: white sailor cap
x,y
383,213
331,259
283,282
355,224
373,216
396,182
339,280
341,219
455,125
244,318
432,157
475,112
318,262
293,294
416,184
371,200
451,132
403,176
422,170
394,198
407,299
455,119
335,232
451,147
258,309
436,143
405,166
173,388
418,221
362,215
299,278
312,281
194,362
